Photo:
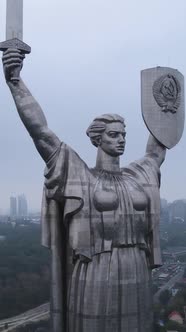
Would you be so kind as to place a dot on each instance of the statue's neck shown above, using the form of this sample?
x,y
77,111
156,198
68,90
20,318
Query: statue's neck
x,y
107,162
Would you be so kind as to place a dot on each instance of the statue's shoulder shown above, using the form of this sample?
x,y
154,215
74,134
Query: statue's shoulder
x,y
67,154
143,170
66,161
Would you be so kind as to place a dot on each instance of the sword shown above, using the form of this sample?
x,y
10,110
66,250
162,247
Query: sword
x,y
14,32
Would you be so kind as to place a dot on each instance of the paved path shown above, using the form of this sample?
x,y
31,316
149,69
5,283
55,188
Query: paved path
x,y
34,315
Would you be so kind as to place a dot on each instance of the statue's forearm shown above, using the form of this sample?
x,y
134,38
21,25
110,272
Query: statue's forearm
x,y
34,120
28,108
155,150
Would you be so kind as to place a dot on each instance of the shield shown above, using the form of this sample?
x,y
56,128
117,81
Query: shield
x,y
162,96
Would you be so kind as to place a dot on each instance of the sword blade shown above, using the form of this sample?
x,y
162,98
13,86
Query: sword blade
x,y
14,19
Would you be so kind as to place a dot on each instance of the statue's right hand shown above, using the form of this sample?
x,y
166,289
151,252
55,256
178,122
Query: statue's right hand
x,y
12,63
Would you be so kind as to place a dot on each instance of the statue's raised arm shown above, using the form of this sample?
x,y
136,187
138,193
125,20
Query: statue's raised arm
x,y
28,108
155,150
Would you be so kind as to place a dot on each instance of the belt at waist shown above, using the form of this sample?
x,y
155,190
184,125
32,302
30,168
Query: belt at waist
x,y
129,245
141,246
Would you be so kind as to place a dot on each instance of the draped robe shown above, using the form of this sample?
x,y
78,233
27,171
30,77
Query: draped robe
x,y
103,246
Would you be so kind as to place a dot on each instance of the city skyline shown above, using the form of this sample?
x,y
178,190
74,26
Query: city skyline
x,y
18,206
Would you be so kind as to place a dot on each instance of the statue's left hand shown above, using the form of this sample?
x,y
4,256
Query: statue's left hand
x,y
12,64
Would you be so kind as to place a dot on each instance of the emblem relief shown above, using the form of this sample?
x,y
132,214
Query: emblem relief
x,y
167,93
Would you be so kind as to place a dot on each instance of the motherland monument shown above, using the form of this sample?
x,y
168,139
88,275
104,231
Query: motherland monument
x,y
101,224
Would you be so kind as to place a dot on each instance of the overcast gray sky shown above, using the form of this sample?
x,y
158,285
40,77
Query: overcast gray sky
x,y
86,60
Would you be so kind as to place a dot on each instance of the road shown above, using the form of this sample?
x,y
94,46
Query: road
x,y
34,315
169,284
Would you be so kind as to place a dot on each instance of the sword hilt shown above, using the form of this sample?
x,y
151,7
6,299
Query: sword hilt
x,y
16,44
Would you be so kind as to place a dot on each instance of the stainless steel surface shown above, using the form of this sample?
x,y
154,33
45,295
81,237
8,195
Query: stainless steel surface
x,y
14,19
163,106
101,224
14,34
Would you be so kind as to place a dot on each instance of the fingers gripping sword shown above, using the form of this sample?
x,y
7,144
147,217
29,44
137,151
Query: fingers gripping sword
x,y
14,32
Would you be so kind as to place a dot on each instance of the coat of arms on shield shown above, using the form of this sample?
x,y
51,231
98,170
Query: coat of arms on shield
x,y
162,95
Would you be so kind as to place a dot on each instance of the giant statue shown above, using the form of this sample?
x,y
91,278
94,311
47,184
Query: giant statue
x,y
102,223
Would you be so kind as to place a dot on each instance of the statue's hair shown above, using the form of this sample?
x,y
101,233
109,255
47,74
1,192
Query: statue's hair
x,y
98,126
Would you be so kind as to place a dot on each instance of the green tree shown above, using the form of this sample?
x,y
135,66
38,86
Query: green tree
x,y
165,297
24,270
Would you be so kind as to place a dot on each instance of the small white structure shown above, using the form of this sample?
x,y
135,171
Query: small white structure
x,y
176,317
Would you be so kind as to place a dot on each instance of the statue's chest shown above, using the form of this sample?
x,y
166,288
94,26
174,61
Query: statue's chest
x,y
112,193
113,214
138,196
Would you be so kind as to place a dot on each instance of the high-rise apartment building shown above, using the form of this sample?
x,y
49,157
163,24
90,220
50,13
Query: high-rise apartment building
x,y
22,206
13,207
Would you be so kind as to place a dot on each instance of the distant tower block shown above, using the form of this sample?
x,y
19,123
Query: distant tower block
x,y
13,207
22,206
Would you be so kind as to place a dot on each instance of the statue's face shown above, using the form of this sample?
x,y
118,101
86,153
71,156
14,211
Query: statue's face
x,y
113,139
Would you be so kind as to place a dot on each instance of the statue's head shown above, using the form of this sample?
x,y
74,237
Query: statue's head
x,y
108,132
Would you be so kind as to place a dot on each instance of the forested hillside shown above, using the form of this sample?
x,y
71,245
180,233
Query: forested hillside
x,y
24,269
